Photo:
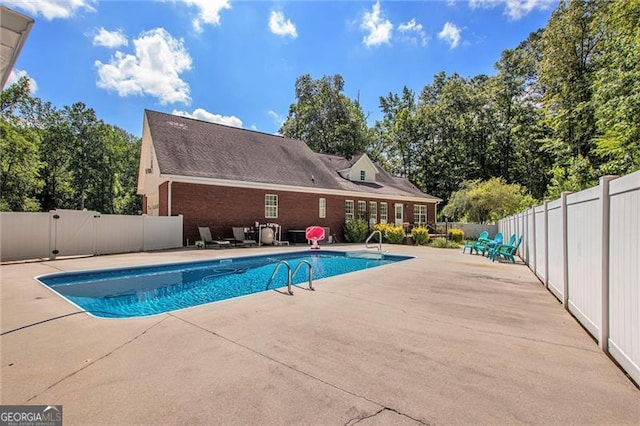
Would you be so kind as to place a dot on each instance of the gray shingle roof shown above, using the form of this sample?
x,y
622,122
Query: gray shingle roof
x,y
194,148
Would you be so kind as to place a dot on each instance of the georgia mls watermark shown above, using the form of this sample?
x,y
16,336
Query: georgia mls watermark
x,y
30,415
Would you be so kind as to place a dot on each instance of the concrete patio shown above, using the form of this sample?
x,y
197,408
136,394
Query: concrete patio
x,y
444,338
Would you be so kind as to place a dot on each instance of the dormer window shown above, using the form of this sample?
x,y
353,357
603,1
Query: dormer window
x,y
363,175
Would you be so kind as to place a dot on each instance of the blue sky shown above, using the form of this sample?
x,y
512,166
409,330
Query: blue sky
x,y
236,62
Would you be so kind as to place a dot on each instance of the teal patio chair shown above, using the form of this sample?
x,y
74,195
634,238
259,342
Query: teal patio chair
x,y
512,241
506,251
486,245
470,244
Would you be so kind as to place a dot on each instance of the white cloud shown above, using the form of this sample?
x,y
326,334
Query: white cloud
x,y
379,28
204,115
413,27
110,39
451,34
277,118
16,75
208,12
514,9
153,70
51,9
281,26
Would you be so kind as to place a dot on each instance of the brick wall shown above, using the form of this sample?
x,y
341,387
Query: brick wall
x,y
221,208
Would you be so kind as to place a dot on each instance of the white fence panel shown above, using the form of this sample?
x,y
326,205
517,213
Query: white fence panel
x,y
24,236
119,233
530,240
584,264
624,273
540,236
555,274
592,260
520,231
162,232
74,232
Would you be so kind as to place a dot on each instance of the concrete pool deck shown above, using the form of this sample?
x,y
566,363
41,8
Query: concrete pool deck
x,y
444,338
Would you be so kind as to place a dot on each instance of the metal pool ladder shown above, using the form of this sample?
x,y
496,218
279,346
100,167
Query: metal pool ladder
x,y
291,274
379,246
309,269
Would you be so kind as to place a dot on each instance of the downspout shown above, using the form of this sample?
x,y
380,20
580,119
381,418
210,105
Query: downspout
x,y
169,198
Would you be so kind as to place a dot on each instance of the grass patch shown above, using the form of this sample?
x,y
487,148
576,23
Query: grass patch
x,y
444,243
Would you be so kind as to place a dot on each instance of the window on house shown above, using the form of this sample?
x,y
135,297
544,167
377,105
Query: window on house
x,y
420,214
373,212
399,213
322,208
362,209
363,175
348,209
271,206
383,213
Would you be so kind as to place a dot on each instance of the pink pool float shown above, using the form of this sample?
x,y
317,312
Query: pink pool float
x,y
314,234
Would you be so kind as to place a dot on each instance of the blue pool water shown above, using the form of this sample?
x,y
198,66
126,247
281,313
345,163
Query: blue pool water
x,y
148,290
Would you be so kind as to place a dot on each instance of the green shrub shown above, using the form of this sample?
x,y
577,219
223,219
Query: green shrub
x,y
444,243
420,236
355,230
392,234
456,234
395,234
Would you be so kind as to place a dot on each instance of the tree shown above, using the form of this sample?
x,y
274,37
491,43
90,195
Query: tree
x,y
521,130
19,168
397,133
483,201
64,158
19,145
567,71
616,88
326,119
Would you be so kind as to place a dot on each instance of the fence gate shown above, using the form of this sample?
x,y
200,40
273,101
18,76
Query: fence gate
x,y
73,232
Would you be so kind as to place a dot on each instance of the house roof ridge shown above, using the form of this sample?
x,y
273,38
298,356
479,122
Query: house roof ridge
x,y
222,125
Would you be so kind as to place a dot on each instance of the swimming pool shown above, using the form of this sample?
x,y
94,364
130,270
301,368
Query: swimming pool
x,y
149,290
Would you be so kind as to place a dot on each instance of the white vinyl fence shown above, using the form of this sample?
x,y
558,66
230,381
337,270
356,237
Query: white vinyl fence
x,y
585,248
74,232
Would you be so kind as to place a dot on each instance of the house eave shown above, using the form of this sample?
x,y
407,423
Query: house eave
x,y
292,188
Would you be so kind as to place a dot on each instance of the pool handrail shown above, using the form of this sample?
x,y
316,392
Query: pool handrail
x,y
275,271
310,269
379,247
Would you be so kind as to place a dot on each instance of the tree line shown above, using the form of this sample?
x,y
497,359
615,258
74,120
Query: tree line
x,y
562,110
63,158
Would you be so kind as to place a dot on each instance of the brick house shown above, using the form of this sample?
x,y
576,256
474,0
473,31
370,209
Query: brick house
x,y
222,176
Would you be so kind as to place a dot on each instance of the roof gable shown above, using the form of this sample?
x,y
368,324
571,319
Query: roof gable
x,y
362,170
190,148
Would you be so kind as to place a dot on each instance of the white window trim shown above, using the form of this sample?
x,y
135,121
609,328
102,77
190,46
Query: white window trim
x,y
349,216
267,206
362,214
386,212
422,211
398,208
322,208
373,212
